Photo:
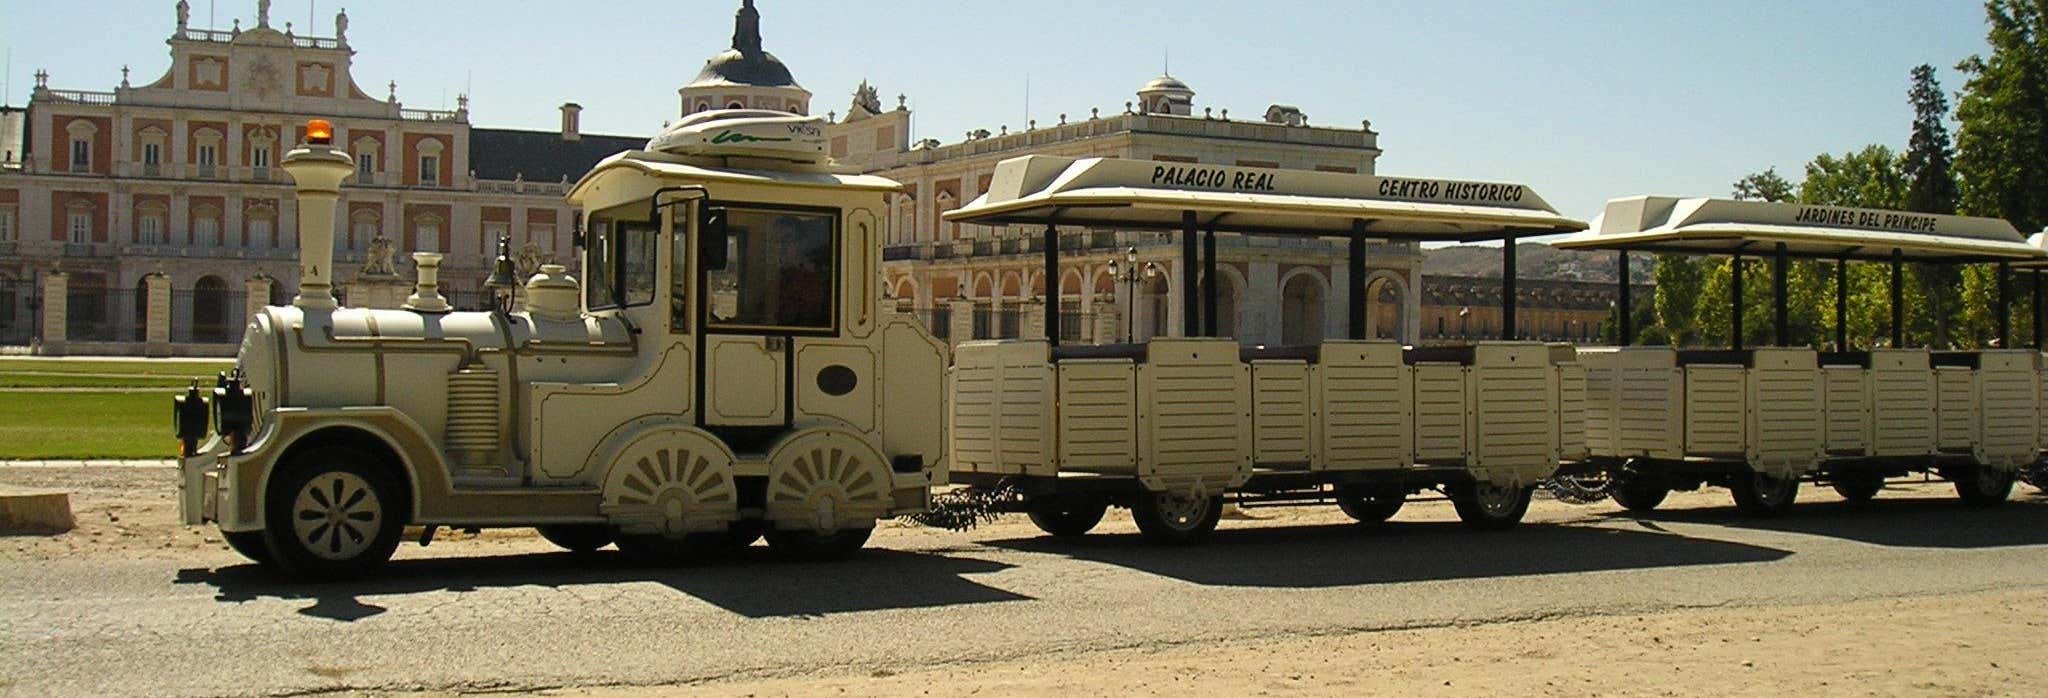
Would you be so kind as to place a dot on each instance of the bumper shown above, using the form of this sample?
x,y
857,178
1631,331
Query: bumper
x,y
199,488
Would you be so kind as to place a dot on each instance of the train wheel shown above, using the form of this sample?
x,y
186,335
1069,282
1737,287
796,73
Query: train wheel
x,y
1859,487
1370,505
1982,486
1759,494
1490,507
1638,494
250,544
332,513
812,545
1165,517
1067,517
577,538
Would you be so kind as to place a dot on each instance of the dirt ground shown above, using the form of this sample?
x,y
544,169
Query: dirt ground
x,y
1963,644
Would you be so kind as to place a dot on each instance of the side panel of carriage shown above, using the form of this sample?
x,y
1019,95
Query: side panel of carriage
x,y
1762,407
1201,415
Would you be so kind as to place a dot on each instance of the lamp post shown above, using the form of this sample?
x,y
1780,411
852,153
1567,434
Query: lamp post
x,y
1128,273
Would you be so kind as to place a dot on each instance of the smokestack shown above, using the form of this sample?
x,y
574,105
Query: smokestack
x,y
572,113
318,169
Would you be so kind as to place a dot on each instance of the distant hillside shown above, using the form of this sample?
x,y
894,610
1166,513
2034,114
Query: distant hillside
x,y
1533,260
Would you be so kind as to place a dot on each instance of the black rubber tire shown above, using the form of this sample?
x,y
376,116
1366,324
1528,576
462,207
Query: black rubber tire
x,y
1858,489
250,544
1370,505
1465,498
1067,517
709,546
1160,525
1638,494
1758,494
814,546
334,464
1982,486
577,538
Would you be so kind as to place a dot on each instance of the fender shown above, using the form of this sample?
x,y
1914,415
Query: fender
x,y
426,474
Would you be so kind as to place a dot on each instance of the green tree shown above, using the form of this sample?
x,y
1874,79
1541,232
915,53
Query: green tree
x,y
1680,281
1928,169
2002,142
1763,186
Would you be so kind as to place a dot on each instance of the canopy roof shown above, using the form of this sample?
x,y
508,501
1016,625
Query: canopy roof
x,y
1139,194
662,165
1722,226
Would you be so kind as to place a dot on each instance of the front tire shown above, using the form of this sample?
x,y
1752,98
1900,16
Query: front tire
x,y
1759,494
250,544
1491,507
1067,517
1370,505
1982,486
577,538
1165,517
334,513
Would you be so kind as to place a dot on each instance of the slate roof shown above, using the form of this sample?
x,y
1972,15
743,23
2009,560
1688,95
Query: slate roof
x,y
540,156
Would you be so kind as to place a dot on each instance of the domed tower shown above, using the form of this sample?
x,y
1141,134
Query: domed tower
x,y
1166,94
745,76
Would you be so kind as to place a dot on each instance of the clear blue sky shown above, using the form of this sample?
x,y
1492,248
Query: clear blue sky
x,y
1582,100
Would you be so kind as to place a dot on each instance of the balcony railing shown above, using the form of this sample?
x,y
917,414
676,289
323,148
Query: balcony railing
x,y
429,115
82,96
521,187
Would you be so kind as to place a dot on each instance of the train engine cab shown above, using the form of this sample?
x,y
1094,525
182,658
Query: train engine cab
x,y
717,376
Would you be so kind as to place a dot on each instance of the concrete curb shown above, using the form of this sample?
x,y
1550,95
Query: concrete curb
x,y
164,463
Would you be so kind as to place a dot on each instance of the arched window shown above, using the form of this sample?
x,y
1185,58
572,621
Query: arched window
x,y
1301,311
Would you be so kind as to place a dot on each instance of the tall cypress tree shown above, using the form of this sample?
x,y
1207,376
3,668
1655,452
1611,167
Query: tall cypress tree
x,y
1931,188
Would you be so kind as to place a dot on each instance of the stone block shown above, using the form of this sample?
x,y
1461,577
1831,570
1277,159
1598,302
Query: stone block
x,y
35,512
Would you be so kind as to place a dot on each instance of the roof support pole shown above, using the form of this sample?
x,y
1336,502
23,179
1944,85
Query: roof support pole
x,y
1052,284
2004,306
1507,287
2037,309
1735,299
1190,306
1898,299
1210,285
1842,303
1354,284
1781,318
1626,308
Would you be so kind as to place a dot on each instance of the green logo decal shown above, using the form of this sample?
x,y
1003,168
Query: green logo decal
x,y
737,137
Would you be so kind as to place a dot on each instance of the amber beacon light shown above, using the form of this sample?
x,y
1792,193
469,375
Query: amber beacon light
x,y
319,132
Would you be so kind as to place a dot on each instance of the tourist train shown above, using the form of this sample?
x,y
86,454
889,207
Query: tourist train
x,y
725,370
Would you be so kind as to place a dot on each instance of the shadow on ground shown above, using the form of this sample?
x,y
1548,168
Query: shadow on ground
x,y
875,580
1917,520
1337,555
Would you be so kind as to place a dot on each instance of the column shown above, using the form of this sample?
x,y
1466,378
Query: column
x,y
1411,306
255,295
1176,301
1032,325
962,326
55,286
1109,320
1260,304
156,333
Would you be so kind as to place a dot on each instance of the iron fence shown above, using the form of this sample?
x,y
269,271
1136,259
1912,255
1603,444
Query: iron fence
x,y
19,303
103,314
208,315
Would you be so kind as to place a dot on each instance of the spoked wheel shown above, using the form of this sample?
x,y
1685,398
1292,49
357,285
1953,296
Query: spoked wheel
x,y
250,544
1166,517
1637,493
1487,506
1067,517
1982,485
577,538
1370,505
332,513
1759,494
1858,487
812,545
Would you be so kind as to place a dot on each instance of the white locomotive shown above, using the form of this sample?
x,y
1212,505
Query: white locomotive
x,y
720,375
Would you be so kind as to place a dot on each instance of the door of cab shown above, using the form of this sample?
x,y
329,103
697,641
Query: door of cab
x,y
767,275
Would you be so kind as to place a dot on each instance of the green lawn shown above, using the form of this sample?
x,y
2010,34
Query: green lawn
x,y
175,368
36,426
9,379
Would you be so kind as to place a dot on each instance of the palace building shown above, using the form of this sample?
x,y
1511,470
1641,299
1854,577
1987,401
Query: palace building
x,y
147,219
163,196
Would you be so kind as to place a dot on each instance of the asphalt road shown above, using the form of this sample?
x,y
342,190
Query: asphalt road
x,y
513,616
